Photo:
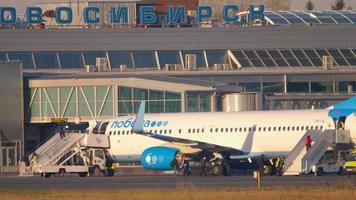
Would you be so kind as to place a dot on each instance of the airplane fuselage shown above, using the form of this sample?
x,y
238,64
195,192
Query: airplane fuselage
x,y
268,132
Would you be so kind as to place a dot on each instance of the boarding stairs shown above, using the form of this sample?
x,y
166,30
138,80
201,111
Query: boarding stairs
x,y
299,160
57,150
54,150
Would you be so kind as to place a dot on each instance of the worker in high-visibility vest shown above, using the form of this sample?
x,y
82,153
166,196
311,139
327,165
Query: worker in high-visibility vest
x,y
278,165
34,158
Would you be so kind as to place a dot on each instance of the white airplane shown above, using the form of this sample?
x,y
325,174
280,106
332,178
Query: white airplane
x,y
155,139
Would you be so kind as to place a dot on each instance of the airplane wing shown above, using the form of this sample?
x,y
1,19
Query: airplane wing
x,y
138,129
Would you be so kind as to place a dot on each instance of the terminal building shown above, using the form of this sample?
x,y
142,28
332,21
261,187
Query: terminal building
x,y
294,60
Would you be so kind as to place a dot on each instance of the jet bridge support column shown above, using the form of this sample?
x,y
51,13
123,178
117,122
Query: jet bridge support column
x,y
183,101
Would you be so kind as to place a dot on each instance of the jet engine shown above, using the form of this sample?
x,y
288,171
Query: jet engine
x,y
158,158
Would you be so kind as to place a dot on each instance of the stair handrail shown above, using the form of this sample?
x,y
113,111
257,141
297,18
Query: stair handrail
x,y
298,148
68,149
68,145
317,150
41,143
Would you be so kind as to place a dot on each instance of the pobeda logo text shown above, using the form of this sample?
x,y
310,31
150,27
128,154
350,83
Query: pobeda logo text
x,y
119,15
130,122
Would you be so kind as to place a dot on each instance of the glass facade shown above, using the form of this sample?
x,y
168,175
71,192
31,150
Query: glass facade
x,y
273,87
266,58
311,17
241,57
290,58
251,87
198,102
255,60
104,100
90,57
87,102
3,57
322,87
258,58
349,56
313,56
157,101
25,57
298,87
346,87
169,57
98,102
278,58
200,58
216,57
49,102
70,60
45,60
144,59
121,58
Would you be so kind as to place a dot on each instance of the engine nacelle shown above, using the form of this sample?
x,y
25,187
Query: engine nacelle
x,y
158,158
350,124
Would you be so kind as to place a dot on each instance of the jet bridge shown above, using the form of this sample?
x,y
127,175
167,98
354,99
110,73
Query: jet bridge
x,y
299,160
67,152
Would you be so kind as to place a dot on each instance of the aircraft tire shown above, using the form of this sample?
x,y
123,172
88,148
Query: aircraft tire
x,y
267,170
319,171
217,170
95,171
109,173
226,169
61,172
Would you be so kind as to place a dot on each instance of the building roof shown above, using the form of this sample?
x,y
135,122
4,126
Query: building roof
x,y
311,17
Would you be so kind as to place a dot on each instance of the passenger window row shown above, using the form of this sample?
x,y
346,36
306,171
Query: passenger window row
x,y
254,129
226,130
128,132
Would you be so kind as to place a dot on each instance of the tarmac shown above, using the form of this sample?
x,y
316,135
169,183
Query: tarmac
x,y
134,182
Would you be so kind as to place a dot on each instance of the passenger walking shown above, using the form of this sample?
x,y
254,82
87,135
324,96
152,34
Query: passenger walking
x,y
175,166
308,141
203,167
186,166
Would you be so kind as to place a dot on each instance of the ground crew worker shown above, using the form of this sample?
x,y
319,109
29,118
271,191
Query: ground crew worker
x,y
203,167
62,133
175,165
278,165
308,141
186,167
341,126
261,164
34,158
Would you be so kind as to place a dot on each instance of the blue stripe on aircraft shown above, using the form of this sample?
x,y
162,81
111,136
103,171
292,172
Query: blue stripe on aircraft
x,y
343,108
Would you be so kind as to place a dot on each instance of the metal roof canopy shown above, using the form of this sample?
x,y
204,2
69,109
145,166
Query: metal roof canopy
x,y
298,36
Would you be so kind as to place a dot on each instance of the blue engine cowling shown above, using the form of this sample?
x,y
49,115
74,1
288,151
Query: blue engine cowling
x,y
158,158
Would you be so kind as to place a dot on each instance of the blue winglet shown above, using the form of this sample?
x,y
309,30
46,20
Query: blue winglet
x,y
343,108
138,125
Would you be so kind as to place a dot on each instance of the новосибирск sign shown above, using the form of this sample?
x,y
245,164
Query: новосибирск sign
x,y
119,15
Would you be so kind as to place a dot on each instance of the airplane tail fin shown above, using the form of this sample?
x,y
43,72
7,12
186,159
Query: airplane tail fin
x,y
139,121
343,108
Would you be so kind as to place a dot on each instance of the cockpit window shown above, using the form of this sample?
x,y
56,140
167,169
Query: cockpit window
x,y
103,127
